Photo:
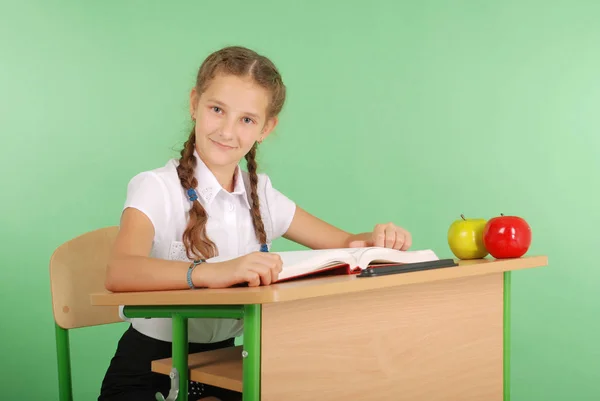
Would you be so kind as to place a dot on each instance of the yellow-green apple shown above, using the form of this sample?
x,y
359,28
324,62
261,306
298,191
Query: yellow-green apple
x,y
465,238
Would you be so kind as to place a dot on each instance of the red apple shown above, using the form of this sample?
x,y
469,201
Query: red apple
x,y
507,237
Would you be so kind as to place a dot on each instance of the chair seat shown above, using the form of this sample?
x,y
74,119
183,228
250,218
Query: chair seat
x,y
220,368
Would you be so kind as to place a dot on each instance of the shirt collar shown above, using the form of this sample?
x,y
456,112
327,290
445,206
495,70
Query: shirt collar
x,y
208,186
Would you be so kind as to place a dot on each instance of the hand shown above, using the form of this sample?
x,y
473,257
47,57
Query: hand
x,y
384,235
255,269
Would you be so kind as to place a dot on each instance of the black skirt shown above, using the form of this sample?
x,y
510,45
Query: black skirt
x,y
129,376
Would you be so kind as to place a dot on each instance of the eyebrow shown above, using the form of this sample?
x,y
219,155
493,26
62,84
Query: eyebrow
x,y
217,102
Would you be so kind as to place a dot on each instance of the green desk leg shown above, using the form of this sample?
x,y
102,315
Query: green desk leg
x,y
180,354
507,333
251,353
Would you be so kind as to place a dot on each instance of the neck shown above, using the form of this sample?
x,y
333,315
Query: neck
x,y
224,174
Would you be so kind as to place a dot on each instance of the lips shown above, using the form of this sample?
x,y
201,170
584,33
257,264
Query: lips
x,y
222,146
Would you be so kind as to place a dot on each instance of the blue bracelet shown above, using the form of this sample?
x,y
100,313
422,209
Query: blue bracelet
x,y
190,270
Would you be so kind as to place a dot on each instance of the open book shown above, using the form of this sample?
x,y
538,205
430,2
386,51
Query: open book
x,y
342,261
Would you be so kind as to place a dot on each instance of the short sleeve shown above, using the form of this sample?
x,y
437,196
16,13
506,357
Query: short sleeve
x,y
281,209
146,193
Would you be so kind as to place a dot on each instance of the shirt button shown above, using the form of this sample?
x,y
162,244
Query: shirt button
x,y
230,207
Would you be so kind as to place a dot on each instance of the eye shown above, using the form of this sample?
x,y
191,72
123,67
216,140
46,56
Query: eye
x,y
247,120
216,109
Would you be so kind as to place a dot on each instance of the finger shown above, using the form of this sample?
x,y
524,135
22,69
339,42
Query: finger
x,y
278,266
252,278
275,273
407,241
390,236
400,238
264,271
278,260
271,264
265,276
277,269
272,274
379,235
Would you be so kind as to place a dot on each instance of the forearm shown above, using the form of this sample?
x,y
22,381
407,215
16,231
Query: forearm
x,y
315,233
140,273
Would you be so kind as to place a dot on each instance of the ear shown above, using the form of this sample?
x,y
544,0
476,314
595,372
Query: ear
x,y
194,98
269,127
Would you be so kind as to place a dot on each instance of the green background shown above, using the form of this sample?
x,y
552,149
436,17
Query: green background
x,y
412,112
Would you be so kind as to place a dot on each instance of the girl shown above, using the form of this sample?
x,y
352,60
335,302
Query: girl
x,y
203,205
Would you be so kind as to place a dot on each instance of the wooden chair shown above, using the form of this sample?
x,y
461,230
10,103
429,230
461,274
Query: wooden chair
x,y
77,269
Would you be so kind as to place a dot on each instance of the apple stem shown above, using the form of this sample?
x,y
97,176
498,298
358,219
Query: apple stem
x,y
502,214
463,216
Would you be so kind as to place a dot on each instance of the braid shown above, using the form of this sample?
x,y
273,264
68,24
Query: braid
x,y
259,227
196,242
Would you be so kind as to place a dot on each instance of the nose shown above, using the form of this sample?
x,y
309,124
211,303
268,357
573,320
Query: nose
x,y
227,128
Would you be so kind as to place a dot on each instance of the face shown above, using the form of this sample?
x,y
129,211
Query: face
x,y
231,115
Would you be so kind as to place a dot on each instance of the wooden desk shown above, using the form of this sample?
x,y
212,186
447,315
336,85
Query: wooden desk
x,y
433,335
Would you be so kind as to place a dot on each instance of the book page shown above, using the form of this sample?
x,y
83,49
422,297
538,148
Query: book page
x,y
306,261
366,256
301,262
358,253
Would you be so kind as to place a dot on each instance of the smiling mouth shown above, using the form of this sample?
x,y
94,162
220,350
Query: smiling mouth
x,y
220,145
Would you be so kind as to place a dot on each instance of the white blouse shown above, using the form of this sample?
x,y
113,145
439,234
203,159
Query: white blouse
x,y
158,194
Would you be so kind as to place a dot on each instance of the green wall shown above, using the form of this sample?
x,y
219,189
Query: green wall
x,y
414,111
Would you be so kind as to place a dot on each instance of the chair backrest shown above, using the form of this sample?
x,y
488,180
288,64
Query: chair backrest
x,y
77,269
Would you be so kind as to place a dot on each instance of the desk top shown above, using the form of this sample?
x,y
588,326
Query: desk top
x,y
315,287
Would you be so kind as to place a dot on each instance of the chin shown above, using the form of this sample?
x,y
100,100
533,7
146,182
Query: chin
x,y
221,159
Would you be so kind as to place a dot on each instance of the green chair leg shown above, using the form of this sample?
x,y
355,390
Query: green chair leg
x,y
65,389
